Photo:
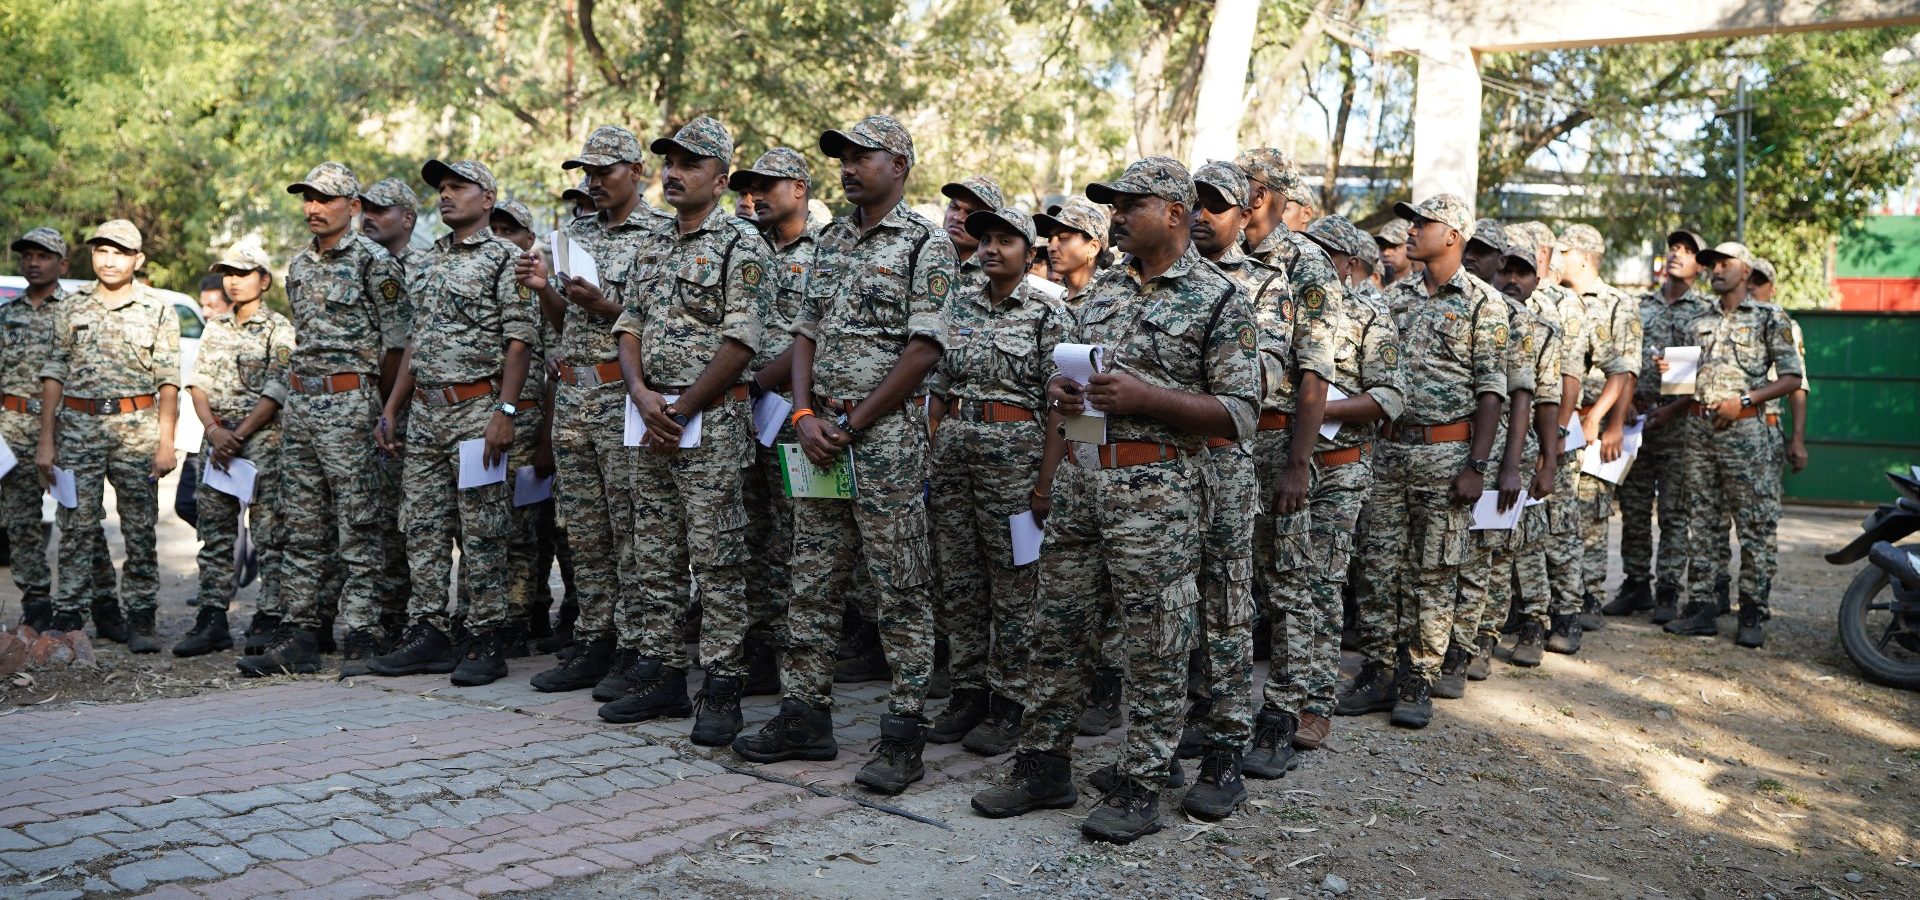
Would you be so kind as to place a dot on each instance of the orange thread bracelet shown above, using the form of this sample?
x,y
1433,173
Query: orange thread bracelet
x,y
799,414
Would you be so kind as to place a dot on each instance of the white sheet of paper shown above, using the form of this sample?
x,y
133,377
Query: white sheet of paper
x,y
63,489
529,488
7,459
1616,471
1046,288
1488,517
1533,501
769,414
1079,362
1683,365
1331,427
636,426
1026,537
572,260
1576,436
236,482
474,473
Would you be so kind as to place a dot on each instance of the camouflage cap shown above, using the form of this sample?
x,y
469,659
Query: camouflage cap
x,y
1541,234
1691,238
1335,234
1488,232
1583,237
577,192
1367,247
515,210
1077,214
1447,209
331,179
1763,268
981,220
241,259
980,187
1393,234
873,133
776,164
1225,178
1521,245
466,170
1275,169
42,238
1727,250
704,136
1155,176
607,145
118,232
390,192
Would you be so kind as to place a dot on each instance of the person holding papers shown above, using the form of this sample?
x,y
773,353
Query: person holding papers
x,y
1180,364
590,457
238,385
473,334
1659,474
1431,467
1747,357
109,396
690,327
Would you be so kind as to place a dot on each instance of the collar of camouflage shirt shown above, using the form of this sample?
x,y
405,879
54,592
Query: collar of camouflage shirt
x,y
1022,293
895,218
1180,267
714,217
483,236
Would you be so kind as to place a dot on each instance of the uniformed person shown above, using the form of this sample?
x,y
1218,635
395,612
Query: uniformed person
x,y
1736,469
986,465
460,380
26,339
965,197
1076,235
238,385
1180,365
1392,241
1606,395
1764,284
389,210
350,320
579,200
1431,466
868,332
109,395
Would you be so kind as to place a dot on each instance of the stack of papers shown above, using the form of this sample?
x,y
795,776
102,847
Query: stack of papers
x,y
1576,435
1616,471
474,472
1026,537
1488,517
1079,362
769,414
1683,365
63,489
571,259
1331,427
529,488
7,460
236,482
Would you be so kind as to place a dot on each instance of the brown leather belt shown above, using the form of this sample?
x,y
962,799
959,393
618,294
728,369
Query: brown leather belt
x,y
16,403
108,407
338,382
1214,443
1333,459
990,412
1121,454
1773,419
1428,434
448,395
588,376
738,392
1705,411
1275,421
847,405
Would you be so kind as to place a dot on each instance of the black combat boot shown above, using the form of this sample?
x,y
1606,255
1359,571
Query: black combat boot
x,y
1218,790
210,633
259,631
896,758
716,716
763,667
798,731
1192,739
291,650
361,645
613,685
1722,590
1481,668
654,691
1414,707
1272,754
140,637
1037,781
1104,779
108,622
1590,617
423,650
1565,637
539,625
940,681
323,636
1697,620
1000,730
65,621
1751,635
1127,813
1666,603
36,614
562,633
1103,712
1452,684
967,708
581,666
1531,648
1634,595
868,662
512,638
483,660
1372,691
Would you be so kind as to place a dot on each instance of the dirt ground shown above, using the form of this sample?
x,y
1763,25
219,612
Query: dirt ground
x,y
1647,766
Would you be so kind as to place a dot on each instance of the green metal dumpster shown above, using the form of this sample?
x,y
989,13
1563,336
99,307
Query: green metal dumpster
x,y
1863,406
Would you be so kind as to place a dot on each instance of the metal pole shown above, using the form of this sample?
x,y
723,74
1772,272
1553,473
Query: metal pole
x,y
1740,160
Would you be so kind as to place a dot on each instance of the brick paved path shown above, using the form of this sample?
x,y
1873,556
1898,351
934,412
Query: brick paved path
x,y
384,787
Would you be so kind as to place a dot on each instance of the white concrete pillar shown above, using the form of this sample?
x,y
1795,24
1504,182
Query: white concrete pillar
x,y
1446,122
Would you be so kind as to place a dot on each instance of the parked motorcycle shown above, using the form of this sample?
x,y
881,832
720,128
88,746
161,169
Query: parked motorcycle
x,y
1880,614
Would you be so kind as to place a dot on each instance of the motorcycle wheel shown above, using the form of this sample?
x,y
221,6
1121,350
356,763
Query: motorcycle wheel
x,y
1869,631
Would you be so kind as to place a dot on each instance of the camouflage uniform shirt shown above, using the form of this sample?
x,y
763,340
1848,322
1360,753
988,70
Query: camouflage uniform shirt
x,y
1000,352
587,339
105,350
1613,339
26,338
241,362
791,265
869,294
468,309
693,291
1367,360
1547,350
350,305
1456,346
1743,350
1664,325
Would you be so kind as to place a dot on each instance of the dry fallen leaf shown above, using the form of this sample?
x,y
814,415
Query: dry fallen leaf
x,y
849,856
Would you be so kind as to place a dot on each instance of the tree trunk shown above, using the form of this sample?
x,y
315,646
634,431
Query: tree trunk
x,y
1221,100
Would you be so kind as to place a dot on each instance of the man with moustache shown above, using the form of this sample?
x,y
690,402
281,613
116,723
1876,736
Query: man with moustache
x,y
26,338
389,210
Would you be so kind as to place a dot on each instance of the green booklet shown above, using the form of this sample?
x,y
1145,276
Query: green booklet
x,y
804,479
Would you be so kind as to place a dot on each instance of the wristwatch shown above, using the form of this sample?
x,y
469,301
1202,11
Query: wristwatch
x,y
1483,466
509,409
1746,401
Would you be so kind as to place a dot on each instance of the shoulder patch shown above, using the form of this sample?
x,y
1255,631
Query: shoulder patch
x,y
1500,335
524,292
750,273
937,284
1313,301
1390,354
389,289
1246,336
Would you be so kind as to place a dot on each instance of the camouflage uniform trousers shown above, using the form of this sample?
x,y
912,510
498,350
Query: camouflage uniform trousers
x,y
436,516
1736,474
769,539
984,473
219,523
1414,550
1596,507
1658,477
1307,610
332,507
1137,529
1232,494
885,529
99,450
1486,580
688,516
395,582
1562,548
593,503
20,494
523,545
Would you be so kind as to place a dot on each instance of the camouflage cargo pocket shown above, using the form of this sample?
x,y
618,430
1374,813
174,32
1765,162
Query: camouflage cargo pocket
x,y
1533,523
900,551
717,535
1447,540
1239,605
367,505
1339,558
1173,620
1293,541
487,512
